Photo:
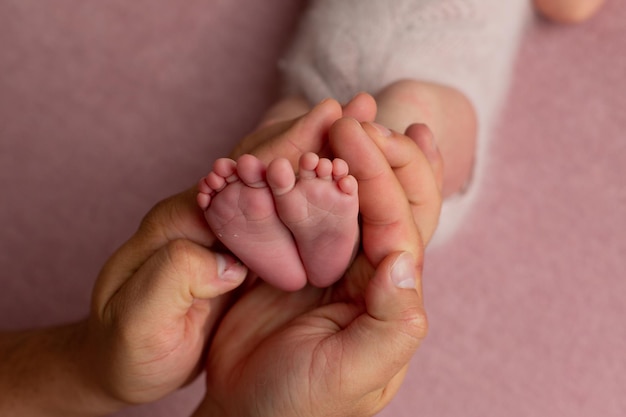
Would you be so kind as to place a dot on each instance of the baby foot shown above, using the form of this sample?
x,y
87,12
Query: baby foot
x,y
320,208
239,208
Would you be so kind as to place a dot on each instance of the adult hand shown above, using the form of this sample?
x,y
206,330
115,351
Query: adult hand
x,y
340,351
156,302
410,154
159,297
281,136
154,307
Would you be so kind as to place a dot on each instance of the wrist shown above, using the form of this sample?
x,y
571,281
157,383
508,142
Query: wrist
x,y
86,358
47,372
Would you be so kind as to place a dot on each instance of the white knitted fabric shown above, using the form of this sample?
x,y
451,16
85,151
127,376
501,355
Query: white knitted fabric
x,y
343,47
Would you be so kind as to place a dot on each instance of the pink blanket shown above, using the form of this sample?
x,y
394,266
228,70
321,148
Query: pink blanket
x,y
106,107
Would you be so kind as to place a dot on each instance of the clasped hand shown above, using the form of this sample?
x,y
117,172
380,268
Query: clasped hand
x,y
342,350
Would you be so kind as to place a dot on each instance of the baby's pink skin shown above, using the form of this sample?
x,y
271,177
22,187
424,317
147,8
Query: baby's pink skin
x,y
321,209
288,230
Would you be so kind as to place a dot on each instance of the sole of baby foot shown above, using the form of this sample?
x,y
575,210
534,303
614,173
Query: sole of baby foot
x,y
320,208
239,208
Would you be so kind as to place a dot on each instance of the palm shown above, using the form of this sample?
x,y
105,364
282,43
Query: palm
x,y
272,342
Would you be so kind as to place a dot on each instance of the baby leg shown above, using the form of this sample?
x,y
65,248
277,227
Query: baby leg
x,y
445,63
239,208
406,102
320,208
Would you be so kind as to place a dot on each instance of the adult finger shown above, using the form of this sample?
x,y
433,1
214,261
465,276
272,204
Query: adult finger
x,y
418,166
173,280
391,331
425,139
382,201
291,139
362,108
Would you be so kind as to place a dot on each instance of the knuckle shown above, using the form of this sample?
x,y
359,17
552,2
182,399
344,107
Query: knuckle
x,y
415,324
178,252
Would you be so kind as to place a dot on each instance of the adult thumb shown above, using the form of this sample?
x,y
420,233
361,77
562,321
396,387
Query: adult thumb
x,y
175,278
395,291
384,339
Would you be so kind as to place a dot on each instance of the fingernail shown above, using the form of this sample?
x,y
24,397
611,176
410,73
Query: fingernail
x,y
403,271
229,269
381,129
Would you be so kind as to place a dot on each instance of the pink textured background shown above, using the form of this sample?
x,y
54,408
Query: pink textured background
x,y
106,107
